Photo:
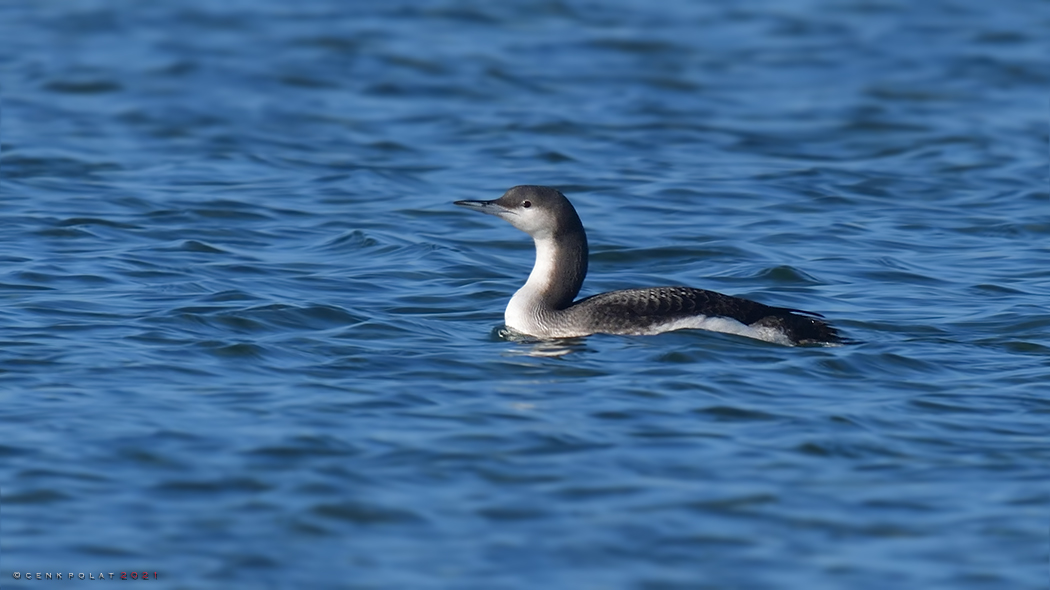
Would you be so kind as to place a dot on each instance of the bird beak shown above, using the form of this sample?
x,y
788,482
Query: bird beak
x,y
490,207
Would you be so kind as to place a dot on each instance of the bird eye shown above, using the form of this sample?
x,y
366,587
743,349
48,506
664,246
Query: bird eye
x,y
526,204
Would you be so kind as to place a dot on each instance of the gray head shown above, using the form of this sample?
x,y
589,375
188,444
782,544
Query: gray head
x,y
540,211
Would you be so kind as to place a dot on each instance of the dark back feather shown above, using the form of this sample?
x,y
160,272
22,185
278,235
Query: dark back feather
x,y
622,310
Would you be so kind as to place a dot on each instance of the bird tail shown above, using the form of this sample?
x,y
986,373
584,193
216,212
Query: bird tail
x,y
802,329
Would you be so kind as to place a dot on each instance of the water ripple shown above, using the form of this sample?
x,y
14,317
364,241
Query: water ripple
x,y
248,340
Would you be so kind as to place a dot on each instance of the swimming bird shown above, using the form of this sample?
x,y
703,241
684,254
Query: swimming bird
x,y
545,306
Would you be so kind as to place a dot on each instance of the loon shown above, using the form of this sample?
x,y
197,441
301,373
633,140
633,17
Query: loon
x,y
544,307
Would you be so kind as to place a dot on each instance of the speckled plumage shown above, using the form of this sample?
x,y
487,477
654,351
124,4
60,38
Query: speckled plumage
x,y
544,306
631,311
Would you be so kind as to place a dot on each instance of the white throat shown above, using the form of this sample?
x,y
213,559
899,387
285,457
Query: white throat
x,y
523,311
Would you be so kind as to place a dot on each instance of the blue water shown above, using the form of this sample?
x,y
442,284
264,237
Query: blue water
x,y
247,341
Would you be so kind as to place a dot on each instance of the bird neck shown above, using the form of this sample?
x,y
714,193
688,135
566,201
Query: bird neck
x,y
557,275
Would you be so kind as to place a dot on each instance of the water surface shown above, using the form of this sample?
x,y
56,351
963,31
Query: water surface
x,y
248,341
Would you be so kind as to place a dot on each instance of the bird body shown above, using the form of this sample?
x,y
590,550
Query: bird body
x,y
545,308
